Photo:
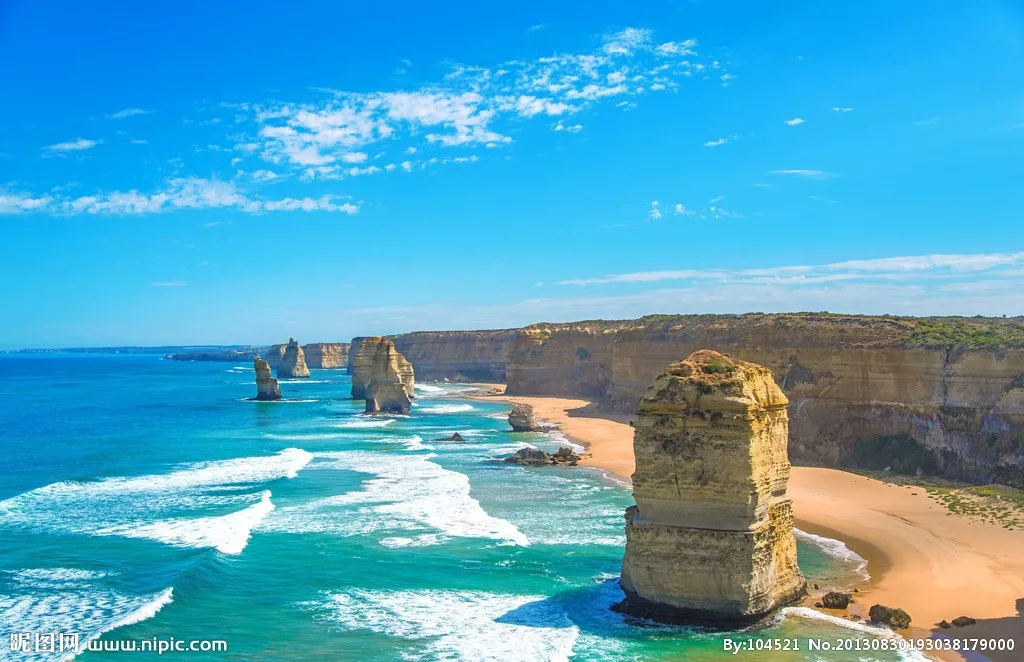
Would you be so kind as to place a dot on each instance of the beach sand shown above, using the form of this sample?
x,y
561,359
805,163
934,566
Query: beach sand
x,y
933,564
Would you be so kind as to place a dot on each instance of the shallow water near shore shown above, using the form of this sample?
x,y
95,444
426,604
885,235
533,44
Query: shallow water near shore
x,y
143,498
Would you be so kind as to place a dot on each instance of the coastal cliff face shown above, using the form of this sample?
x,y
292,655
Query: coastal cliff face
x,y
954,386
320,355
293,362
383,376
458,356
710,538
267,387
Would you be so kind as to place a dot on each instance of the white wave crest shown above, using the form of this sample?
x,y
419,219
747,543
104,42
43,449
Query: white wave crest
x,y
90,614
427,388
460,625
836,549
159,506
407,493
880,632
228,534
365,423
445,409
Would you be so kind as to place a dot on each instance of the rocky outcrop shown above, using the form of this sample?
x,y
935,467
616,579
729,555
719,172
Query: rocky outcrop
x,y
382,376
454,437
326,355
953,385
963,621
267,387
225,356
893,617
534,457
522,419
836,600
458,356
274,355
710,538
293,361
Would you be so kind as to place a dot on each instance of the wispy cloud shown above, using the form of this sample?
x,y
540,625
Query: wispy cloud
x,y
472,106
841,109
796,121
799,172
77,145
176,282
893,268
128,112
177,194
721,141
654,213
536,28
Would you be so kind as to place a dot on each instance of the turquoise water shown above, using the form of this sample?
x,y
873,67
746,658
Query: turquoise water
x,y
142,498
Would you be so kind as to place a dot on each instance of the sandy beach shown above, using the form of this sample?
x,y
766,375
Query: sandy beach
x,y
933,564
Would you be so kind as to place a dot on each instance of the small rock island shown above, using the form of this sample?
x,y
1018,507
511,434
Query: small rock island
x,y
710,539
382,376
267,387
522,419
293,361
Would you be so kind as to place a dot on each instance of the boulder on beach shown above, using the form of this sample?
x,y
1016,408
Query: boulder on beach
x,y
963,621
534,457
521,419
710,539
894,617
836,600
267,387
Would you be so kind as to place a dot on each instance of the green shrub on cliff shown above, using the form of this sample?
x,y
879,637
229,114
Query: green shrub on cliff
x,y
968,333
901,453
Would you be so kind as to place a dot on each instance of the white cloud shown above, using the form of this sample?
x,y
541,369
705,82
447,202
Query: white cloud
x,y
128,112
176,282
179,193
655,211
717,198
627,41
815,174
681,210
76,145
894,268
716,143
569,128
841,109
536,28
796,121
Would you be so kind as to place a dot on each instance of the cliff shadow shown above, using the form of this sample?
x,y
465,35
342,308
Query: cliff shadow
x,y
594,410
1006,628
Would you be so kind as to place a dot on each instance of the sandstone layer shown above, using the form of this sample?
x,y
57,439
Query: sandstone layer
x,y
522,419
457,356
710,538
293,361
381,376
953,385
267,387
321,355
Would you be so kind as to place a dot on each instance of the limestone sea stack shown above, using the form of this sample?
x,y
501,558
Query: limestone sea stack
x,y
293,361
522,419
267,387
710,539
382,376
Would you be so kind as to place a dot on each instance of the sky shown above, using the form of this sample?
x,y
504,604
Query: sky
x,y
242,172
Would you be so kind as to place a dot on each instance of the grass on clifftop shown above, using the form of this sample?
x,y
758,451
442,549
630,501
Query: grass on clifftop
x,y
995,504
970,333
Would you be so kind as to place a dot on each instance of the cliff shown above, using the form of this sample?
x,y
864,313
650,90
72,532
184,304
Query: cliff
x,y
383,376
710,538
320,355
293,361
458,356
955,386
267,387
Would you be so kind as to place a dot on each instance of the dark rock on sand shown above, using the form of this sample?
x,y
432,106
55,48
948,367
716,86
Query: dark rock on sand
x,y
894,617
961,621
836,600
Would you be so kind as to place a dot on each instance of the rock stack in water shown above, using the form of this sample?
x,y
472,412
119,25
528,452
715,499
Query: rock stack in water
x,y
521,419
382,377
710,539
267,387
293,361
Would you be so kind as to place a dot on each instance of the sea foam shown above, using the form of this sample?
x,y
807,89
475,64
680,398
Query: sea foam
x,y
836,549
407,492
444,409
459,625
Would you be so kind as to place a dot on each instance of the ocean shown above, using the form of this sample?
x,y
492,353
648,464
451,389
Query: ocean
x,y
143,500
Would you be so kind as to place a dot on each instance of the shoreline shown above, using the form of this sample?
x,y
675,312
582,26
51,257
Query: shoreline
x,y
934,564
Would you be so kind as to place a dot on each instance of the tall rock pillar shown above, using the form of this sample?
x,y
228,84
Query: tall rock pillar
x,y
710,539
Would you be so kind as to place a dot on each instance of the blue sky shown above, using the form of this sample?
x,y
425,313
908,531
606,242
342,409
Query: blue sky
x,y
241,172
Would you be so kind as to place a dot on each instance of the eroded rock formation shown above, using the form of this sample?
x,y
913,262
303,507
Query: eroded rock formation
x,y
534,457
382,376
710,538
293,361
267,387
326,354
522,419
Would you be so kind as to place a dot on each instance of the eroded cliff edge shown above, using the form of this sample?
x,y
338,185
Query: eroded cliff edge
x,y
318,355
955,386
